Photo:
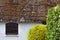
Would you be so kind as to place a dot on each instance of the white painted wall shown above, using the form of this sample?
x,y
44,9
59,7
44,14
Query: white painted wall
x,y
23,28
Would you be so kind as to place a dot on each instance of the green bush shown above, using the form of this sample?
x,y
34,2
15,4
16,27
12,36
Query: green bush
x,y
53,23
37,32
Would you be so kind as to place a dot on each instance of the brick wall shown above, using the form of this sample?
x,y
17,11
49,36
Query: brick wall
x,y
30,10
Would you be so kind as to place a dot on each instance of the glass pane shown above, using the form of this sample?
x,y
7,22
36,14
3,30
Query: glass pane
x,y
11,28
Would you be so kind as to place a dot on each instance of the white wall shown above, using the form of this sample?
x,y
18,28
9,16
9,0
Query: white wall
x,y
23,28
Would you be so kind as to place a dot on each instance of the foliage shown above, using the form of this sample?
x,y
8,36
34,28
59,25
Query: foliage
x,y
53,23
37,32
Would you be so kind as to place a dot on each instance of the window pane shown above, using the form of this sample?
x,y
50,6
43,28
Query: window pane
x,y
11,28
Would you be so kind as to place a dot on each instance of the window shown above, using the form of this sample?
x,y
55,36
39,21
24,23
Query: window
x,y
11,28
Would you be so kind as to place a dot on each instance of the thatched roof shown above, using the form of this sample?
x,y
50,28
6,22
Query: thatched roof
x,y
31,10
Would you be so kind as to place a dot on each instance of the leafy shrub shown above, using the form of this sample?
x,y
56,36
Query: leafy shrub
x,y
53,23
37,32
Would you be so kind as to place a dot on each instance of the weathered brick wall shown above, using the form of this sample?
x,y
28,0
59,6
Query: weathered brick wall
x,y
30,10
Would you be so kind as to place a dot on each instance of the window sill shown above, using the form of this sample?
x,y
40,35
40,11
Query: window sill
x,y
12,35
